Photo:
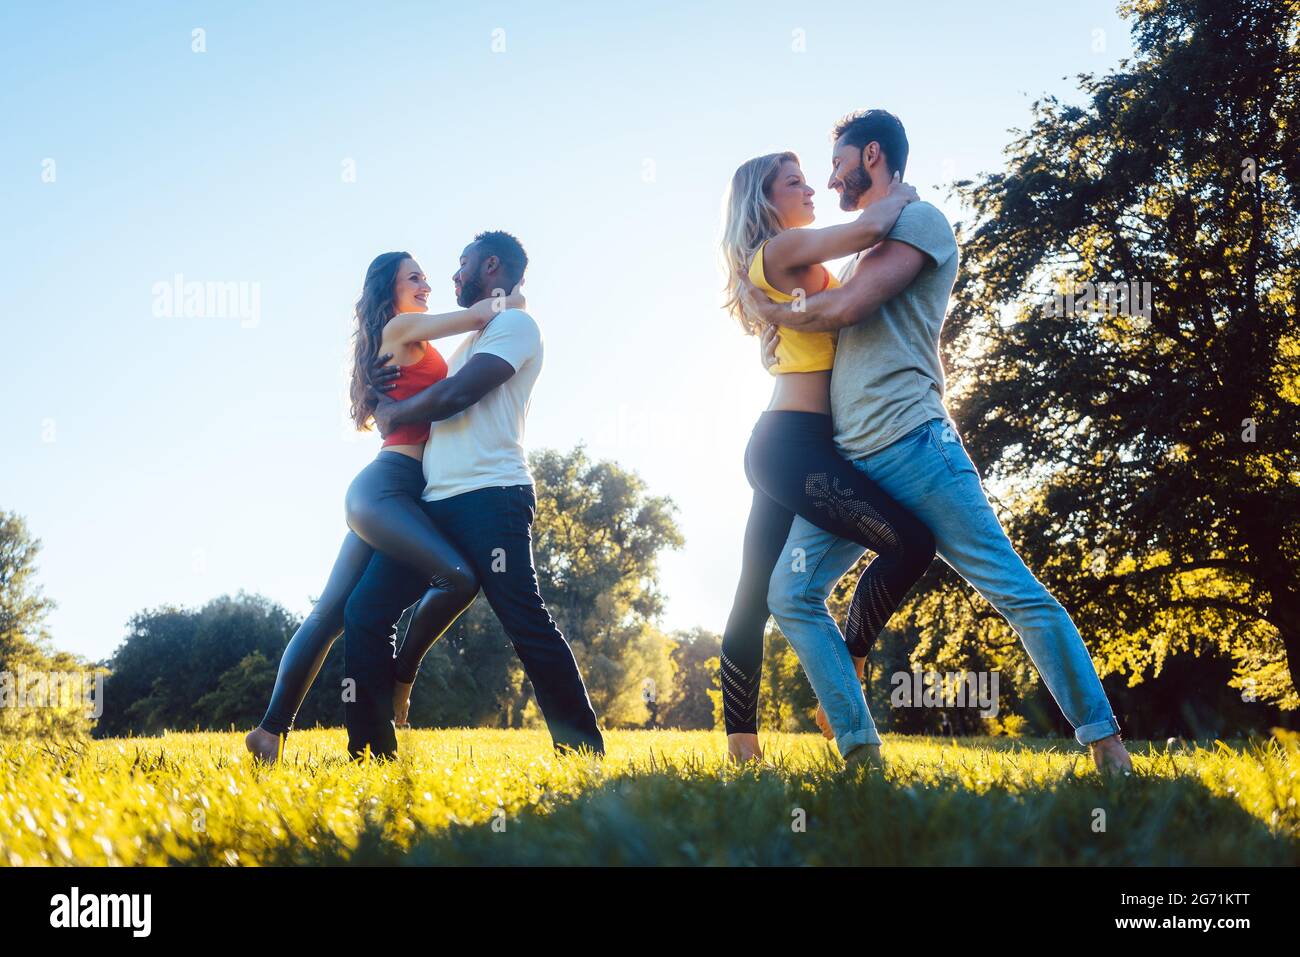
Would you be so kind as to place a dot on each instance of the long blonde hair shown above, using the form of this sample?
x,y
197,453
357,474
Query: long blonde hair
x,y
749,221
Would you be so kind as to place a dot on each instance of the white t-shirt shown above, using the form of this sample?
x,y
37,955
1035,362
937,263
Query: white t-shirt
x,y
482,446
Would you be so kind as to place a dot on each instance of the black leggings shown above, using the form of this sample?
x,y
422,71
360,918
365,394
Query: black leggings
x,y
384,513
794,468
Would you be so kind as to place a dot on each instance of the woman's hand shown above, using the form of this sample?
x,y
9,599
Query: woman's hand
x,y
900,192
880,216
483,310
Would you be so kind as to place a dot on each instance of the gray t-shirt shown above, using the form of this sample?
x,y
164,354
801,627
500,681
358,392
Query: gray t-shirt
x,y
887,378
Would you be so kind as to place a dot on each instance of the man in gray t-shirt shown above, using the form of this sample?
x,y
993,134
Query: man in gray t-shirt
x,y
890,422
887,377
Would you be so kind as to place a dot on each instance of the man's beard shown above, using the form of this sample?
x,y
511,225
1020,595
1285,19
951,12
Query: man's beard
x,y
471,291
856,183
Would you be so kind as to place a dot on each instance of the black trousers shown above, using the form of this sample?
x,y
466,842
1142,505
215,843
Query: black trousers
x,y
492,528
795,469
383,510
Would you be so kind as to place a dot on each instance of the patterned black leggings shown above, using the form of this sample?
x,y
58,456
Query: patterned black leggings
x,y
795,469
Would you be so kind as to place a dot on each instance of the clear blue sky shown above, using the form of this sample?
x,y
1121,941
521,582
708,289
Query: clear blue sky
x,y
173,459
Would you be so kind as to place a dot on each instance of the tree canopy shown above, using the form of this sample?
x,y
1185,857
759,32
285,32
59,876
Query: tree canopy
x,y
1142,441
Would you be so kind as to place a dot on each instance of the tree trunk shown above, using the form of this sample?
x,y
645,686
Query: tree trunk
x,y
518,705
1284,614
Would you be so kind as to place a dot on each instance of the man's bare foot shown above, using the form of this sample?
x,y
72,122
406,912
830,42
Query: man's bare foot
x,y
402,704
1110,756
865,755
263,745
743,748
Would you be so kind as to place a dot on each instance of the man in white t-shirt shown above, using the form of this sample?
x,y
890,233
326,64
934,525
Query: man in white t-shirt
x,y
479,493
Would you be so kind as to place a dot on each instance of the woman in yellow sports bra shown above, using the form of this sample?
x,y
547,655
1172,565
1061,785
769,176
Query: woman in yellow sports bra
x,y
791,461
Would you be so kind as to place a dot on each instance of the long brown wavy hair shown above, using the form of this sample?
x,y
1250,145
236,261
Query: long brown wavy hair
x,y
373,310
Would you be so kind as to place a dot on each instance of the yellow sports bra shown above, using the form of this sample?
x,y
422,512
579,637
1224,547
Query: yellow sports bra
x,y
796,351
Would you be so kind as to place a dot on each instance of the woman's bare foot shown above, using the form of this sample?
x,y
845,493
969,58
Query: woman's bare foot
x,y
263,745
743,748
824,723
867,755
1110,756
402,704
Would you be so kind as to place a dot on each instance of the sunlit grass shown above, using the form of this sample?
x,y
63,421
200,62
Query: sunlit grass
x,y
503,797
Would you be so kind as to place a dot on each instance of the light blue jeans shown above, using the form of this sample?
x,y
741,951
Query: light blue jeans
x,y
929,473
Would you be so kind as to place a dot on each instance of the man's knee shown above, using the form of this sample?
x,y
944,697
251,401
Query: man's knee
x,y
1021,593
363,622
786,592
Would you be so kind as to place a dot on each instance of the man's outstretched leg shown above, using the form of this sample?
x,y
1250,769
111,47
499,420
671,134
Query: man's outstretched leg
x,y
493,528
929,473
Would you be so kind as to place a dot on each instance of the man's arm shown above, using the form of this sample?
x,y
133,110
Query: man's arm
x,y
479,376
879,277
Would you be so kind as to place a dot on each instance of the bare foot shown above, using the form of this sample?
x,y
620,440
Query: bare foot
x,y
1111,757
824,723
402,704
867,755
743,748
263,745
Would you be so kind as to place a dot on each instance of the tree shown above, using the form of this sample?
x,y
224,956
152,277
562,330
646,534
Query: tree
x,y
176,668
22,606
239,700
695,658
597,539
42,692
1144,447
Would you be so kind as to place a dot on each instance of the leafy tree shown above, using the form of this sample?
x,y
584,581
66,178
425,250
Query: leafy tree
x,y
239,699
596,541
37,684
1145,460
23,608
695,658
786,701
173,658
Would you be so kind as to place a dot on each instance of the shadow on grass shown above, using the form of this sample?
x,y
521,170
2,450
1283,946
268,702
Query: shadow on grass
x,y
692,815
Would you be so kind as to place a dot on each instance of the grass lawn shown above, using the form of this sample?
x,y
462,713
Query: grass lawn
x,y
472,796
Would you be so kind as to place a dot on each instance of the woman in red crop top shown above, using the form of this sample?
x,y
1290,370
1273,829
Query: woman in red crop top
x,y
382,504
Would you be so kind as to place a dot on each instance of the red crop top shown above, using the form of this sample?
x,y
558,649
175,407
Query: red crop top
x,y
431,368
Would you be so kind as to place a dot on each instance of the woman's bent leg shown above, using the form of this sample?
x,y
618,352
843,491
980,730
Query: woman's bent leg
x,y
795,461
396,525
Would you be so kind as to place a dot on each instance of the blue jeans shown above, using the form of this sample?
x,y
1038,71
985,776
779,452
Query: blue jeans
x,y
929,473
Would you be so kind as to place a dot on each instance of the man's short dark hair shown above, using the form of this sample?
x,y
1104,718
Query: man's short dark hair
x,y
508,250
878,126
